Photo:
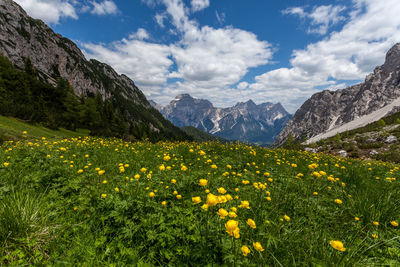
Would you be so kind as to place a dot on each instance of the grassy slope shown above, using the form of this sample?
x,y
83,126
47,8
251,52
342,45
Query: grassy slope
x,y
11,129
361,141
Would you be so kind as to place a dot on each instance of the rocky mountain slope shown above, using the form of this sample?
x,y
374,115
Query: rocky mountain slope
x,y
54,57
245,121
328,113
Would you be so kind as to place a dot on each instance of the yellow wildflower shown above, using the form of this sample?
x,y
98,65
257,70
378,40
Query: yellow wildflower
x,y
338,245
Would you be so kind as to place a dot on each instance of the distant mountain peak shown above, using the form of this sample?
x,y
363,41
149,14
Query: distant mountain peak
x,y
245,121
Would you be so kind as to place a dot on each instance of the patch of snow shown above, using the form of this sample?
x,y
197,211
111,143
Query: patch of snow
x,y
357,123
279,116
333,122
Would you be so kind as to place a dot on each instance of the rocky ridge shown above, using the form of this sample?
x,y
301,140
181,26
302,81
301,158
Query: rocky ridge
x,y
328,110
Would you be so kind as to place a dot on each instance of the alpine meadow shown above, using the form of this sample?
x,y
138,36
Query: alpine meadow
x,y
199,133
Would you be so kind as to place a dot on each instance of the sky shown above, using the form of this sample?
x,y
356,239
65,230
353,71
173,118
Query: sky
x,y
228,51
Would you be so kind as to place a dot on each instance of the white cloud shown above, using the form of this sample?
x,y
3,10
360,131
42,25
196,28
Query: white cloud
x,y
321,17
50,11
140,34
104,8
348,54
198,5
160,19
205,60
146,63
295,11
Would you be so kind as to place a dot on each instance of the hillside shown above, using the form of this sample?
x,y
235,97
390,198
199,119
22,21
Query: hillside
x,y
330,112
54,58
200,136
12,129
378,140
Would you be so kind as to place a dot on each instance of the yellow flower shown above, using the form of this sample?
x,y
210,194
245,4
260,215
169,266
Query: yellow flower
x,y
245,250
162,167
101,172
178,196
375,223
287,218
175,192
103,195
234,209
104,182
24,132
232,214
151,194
315,193
212,200
244,204
137,176
203,182
221,190
374,236
80,171
143,170
116,189
251,223
75,208
6,164
166,158
230,226
257,246
338,245
213,166
173,181
394,223
196,200
338,201
229,166
204,207
268,198
164,203
222,213
183,168
356,218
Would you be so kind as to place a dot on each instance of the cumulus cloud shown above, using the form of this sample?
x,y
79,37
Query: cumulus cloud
x,y
140,34
50,11
198,5
104,8
146,63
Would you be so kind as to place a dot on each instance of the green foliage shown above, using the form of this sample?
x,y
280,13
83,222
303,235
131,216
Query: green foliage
x,y
200,136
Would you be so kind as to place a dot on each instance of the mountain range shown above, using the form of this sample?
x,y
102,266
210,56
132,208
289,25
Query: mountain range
x,y
330,112
244,121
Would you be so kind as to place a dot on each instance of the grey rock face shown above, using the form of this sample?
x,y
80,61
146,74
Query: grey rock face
x,y
245,121
391,139
342,153
328,110
373,152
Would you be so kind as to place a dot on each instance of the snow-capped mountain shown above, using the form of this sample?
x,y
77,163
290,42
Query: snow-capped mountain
x,y
245,121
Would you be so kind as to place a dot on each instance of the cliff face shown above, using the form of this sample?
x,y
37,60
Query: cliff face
x,y
327,112
245,121
54,57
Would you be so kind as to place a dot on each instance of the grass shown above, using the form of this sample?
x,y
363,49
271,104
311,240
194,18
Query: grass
x,y
12,129
93,201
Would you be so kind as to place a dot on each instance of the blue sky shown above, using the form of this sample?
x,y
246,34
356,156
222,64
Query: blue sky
x,y
230,50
